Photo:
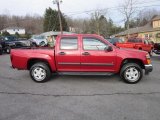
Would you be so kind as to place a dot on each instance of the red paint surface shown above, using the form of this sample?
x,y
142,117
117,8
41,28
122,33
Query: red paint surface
x,y
73,60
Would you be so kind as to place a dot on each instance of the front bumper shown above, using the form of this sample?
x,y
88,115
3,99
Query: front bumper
x,y
148,68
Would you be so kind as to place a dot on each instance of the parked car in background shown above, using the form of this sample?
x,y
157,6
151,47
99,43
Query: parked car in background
x,y
156,48
1,51
137,43
11,42
39,40
6,44
82,54
114,41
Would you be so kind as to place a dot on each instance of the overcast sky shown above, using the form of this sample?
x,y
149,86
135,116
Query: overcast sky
x,y
69,7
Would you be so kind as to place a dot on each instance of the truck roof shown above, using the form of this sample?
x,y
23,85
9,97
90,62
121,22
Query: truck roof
x,y
87,35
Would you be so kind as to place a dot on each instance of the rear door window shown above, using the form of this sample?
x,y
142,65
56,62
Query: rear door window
x,y
69,43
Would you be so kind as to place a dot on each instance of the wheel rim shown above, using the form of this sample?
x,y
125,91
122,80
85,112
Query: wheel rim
x,y
7,50
132,74
39,74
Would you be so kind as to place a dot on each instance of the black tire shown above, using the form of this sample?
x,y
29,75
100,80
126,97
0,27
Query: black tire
x,y
33,45
1,52
8,50
151,53
138,73
43,67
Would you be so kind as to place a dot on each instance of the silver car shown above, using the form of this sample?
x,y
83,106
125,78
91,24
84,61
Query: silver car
x,y
39,40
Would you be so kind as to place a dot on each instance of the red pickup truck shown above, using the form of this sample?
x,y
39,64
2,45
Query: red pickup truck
x,y
137,43
82,54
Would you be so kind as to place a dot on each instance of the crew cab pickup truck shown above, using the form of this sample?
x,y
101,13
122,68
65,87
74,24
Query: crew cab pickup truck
x,y
82,54
137,43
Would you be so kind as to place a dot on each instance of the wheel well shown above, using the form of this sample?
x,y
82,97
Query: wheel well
x,y
31,62
137,61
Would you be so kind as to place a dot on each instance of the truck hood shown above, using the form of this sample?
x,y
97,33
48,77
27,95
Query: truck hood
x,y
133,50
131,53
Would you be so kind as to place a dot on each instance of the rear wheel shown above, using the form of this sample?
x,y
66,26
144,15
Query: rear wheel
x,y
40,72
33,45
131,73
8,50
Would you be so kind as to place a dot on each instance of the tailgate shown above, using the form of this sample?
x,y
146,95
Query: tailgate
x,y
125,45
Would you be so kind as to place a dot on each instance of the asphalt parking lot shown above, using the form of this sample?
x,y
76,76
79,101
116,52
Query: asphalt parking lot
x,y
78,97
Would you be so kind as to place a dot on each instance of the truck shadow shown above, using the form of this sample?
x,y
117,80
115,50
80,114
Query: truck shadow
x,y
86,78
155,58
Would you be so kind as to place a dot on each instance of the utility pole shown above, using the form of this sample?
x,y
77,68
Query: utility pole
x,y
57,2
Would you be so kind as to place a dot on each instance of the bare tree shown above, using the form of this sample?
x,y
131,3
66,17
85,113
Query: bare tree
x,y
128,9
96,20
32,24
148,14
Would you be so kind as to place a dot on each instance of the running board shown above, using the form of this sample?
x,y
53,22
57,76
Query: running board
x,y
86,73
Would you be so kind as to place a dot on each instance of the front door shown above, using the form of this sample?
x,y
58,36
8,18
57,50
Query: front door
x,y
68,54
95,58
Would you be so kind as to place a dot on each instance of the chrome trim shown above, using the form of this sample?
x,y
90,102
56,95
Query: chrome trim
x,y
148,65
98,64
68,63
87,64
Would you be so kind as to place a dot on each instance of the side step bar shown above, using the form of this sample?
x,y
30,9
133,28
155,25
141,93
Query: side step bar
x,y
86,73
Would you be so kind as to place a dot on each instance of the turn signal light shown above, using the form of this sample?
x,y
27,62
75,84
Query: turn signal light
x,y
149,61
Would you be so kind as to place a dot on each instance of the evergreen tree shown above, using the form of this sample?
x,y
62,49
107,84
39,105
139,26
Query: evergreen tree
x,y
51,21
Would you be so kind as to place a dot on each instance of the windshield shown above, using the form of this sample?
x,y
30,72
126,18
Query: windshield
x,y
115,40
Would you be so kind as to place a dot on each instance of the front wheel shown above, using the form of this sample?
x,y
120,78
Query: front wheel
x,y
151,53
40,72
1,52
131,73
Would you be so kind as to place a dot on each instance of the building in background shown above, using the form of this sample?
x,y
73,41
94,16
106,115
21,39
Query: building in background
x,y
150,31
14,30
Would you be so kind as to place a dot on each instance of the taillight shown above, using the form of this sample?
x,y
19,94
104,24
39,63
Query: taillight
x,y
11,57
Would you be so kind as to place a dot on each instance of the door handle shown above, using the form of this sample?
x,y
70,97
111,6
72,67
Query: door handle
x,y
62,53
85,53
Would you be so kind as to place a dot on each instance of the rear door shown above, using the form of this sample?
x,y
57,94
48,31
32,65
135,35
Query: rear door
x,y
93,56
68,54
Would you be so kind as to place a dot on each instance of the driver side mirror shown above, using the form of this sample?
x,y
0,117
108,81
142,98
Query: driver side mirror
x,y
108,48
